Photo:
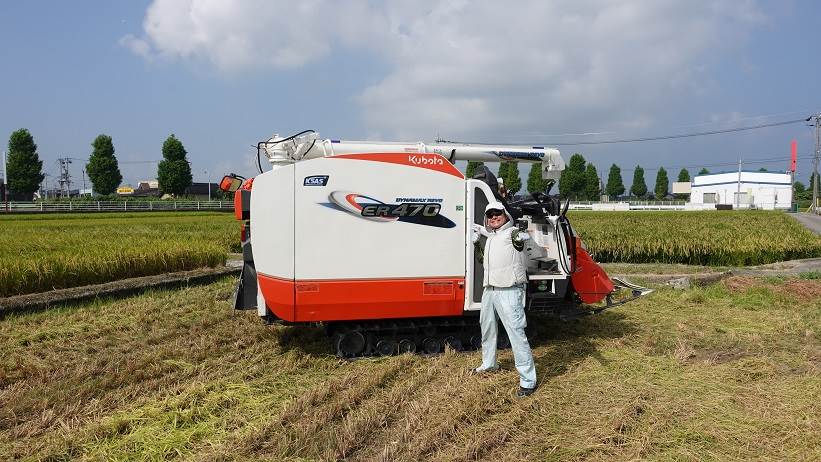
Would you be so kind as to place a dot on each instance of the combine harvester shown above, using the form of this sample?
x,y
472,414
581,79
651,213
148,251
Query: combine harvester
x,y
373,240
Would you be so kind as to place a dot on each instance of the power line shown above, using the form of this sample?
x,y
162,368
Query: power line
x,y
699,124
653,138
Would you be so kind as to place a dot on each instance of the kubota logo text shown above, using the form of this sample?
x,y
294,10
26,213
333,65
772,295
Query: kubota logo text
x,y
421,159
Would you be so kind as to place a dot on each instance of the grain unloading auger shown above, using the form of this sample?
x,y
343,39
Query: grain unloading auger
x,y
373,240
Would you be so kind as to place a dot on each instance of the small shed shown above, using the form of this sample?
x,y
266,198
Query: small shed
x,y
743,190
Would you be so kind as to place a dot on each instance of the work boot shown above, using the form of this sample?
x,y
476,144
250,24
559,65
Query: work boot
x,y
523,392
479,370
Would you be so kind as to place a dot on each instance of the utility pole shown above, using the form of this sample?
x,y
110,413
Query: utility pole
x,y
44,189
209,185
5,182
738,191
814,207
65,176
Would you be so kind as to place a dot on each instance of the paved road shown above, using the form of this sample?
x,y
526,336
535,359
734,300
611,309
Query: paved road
x,y
813,222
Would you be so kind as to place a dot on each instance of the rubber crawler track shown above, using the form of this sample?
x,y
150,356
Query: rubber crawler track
x,y
389,337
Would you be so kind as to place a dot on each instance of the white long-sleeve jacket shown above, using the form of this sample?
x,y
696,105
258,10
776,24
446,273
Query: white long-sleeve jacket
x,y
504,265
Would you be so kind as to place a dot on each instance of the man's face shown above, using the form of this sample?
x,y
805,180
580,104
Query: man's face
x,y
495,218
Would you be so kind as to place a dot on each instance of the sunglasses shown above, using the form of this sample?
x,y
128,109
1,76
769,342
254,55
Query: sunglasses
x,y
494,213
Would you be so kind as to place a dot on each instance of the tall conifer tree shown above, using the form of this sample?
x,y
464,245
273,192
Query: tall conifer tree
x,y
615,185
24,168
102,168
174,171
639,186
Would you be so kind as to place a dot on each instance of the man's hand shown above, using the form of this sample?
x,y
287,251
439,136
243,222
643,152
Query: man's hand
x,y
519,237
475,233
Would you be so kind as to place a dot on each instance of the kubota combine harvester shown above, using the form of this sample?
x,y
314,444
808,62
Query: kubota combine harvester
x,y
373,240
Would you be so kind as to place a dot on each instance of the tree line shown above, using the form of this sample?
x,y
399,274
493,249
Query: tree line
x,y
580,180
24,169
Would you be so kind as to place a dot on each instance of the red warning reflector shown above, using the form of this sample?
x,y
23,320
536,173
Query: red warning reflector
x,y
438,288
307,287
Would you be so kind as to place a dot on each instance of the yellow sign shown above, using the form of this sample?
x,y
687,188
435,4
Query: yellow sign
x,y
125,190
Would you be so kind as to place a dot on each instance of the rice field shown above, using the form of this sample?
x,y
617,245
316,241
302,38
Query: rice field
x,y
727,372
695,238
44,252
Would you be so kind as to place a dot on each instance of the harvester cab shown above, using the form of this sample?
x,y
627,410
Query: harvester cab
x,y
373,240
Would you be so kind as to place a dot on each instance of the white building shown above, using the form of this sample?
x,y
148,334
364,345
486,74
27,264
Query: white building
x,y
761,190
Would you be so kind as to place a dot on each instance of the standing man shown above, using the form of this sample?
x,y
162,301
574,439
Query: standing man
x,y
504,294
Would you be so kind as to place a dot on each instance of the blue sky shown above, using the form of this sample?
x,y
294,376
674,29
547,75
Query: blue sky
x,y
223,75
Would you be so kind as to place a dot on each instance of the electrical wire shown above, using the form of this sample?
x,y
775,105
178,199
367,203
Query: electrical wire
x,y
651,138
699,124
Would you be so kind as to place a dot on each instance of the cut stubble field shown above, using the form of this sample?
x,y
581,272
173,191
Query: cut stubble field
x,y
726,372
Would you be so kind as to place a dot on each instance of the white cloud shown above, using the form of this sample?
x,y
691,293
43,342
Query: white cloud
x,y
138,46
473,68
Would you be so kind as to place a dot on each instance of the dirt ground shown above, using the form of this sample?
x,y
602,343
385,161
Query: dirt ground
x,y
731,371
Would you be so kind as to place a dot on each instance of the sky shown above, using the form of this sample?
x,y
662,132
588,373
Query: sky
x,y
224,74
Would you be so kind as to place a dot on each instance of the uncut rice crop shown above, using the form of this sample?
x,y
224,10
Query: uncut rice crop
x,y
44,252
738,238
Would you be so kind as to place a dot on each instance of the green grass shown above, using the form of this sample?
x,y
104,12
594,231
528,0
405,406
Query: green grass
x,y
810,275
44,252
659,268
725,372
738,238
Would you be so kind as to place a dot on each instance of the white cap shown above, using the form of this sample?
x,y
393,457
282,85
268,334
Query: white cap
x,y
495,206
500,181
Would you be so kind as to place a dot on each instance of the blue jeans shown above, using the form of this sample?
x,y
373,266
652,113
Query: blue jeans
x,y
507,303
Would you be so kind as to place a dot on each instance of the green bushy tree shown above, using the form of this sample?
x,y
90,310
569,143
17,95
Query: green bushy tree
x,y
24,168
503,166
535,182
592,187
573,181
662,184
813,178
703,171
639,186
174,171
513,182
102,168
615,185
472,167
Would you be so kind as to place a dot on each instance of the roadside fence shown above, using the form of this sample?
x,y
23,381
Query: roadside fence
x,y
149,206
114,206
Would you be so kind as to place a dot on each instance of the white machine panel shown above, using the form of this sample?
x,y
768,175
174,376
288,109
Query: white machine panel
x,y
272,223
347,226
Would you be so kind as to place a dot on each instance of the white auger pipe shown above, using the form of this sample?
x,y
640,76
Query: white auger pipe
x,y
309,146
